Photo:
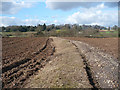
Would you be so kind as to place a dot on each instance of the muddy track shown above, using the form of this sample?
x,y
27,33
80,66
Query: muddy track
x,y
101,68
91,79
65,70
73,65
16,73
77,65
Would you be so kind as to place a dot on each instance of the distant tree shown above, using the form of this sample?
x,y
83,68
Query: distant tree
x,y
67,26
3,28
39,27
109,28
57,27
7,29
31,28
115,27
79,28
75,26
53,26
23,28
97,27
48,28
44,27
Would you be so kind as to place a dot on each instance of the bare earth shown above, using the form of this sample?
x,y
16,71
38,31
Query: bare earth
x,y
108,45
66,69
76,65
22,58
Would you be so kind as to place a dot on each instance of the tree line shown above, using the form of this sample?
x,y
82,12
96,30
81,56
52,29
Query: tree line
x,y
45,27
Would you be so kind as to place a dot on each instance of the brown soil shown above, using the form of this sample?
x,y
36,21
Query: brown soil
x,y
22,58
108,45
101,67
65,70
76,65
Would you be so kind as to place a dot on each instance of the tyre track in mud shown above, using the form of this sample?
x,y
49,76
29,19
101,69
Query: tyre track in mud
x,y
101,68
15,74
92,81
18,63
77,65
65,70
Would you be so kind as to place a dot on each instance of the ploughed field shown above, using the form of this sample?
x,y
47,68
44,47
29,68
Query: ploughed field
x,y
108,45
22,58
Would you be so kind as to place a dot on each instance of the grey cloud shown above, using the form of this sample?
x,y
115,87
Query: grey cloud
x,y
111,4
8,8
13,7
70,5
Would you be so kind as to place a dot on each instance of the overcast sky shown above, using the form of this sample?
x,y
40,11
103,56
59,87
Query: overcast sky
x,y
33,13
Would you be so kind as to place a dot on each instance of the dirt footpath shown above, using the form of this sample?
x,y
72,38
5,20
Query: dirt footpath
x,y
76,65
103,67
65,70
